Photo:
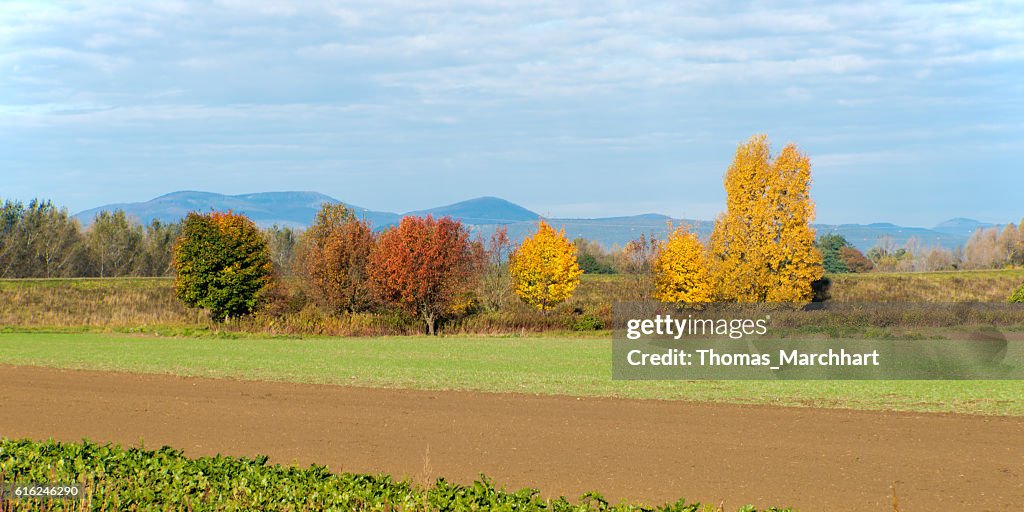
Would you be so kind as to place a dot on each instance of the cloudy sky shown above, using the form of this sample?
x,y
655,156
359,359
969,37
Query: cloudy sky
x,y
910,112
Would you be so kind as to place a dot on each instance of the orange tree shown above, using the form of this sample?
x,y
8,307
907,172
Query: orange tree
x,y
544,268
762,247
332,259
222,264
423,265
680,269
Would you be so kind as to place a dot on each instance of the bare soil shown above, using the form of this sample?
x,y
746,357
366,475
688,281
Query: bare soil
x,y
637,450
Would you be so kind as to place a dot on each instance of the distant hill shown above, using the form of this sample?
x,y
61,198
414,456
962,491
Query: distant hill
x,y
961,226
483,215
292,209
483,210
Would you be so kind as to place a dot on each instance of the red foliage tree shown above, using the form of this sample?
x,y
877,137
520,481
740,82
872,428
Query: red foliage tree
x,y
423,265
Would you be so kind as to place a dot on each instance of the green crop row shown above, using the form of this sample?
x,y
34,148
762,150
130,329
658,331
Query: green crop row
x,y
116,478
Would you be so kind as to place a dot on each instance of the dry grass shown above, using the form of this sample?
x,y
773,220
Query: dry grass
x,y
120,304
963,286
102,303
148,304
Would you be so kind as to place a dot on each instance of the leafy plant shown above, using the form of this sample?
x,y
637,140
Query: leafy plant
x,y
115,478
588,322
1018,296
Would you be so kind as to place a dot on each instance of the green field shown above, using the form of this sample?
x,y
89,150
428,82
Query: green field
x,y
542,365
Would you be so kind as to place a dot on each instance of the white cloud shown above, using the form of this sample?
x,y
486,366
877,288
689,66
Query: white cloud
x,y
96,60
531,86
539,48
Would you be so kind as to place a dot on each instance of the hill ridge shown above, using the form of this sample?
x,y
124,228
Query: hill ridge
x,y
484,214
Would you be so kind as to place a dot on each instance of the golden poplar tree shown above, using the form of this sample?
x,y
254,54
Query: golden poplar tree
x,y
544,269
680,269
762,247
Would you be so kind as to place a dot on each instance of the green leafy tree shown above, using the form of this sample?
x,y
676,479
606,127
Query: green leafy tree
x,y
157,248
830,246
40,240
592,258
12,247
222,264
115,244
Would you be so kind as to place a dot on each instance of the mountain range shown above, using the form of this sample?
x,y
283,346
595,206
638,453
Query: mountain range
x,y
484,214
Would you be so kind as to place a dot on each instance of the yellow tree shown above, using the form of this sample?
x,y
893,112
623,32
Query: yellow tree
x,y
544,268
680,269
762,247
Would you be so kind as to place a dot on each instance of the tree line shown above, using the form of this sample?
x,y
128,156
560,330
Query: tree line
x,y
761,250
38,239
426,267
987,248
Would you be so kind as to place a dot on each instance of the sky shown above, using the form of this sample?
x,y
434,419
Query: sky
x,y
911,112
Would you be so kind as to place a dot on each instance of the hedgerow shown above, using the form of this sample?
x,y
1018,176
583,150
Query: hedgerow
x,y
116,478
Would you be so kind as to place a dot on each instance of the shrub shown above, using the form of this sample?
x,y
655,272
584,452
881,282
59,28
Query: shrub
x,y
821,290
466,304
592,258
1018,296
588,322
